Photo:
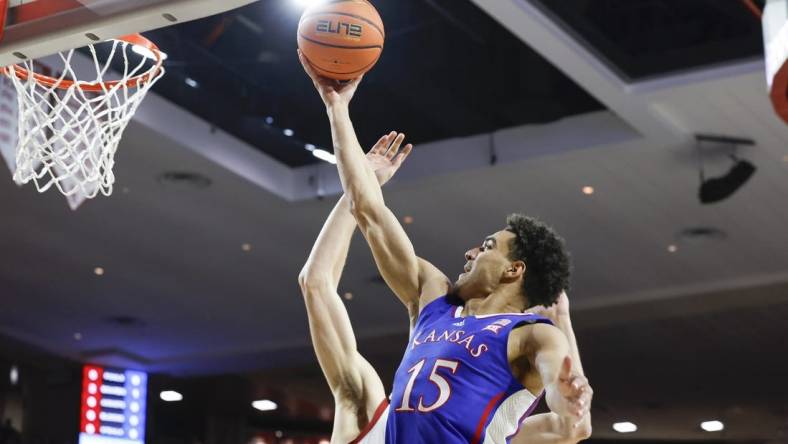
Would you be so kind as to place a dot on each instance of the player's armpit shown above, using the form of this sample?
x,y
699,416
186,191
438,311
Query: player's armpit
x,y
413,280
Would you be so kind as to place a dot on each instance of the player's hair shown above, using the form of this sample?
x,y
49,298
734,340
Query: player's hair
x,y
545,256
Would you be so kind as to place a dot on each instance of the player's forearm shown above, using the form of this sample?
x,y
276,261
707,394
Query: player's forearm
x,y
358,179
327,259
564,323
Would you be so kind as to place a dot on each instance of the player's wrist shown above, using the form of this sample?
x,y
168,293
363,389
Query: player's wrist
x,y
338,109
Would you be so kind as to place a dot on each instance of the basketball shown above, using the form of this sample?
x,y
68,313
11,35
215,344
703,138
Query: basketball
x,y
341,39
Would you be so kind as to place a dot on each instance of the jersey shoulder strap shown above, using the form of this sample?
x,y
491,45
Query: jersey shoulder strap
x,y
438,308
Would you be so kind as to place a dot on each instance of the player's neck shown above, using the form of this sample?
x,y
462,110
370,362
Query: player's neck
x,y
505,299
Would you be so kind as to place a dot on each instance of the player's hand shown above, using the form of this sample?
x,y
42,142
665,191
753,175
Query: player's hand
x,y
333,92
385,157
575,391
553,312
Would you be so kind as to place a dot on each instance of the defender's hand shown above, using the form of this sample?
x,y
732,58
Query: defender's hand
x,y
575,391
385,157
333,92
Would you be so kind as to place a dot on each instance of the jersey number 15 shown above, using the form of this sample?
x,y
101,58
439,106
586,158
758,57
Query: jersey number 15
x,y
444,389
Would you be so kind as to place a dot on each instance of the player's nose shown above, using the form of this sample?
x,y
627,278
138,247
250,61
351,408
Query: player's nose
x,y
471,254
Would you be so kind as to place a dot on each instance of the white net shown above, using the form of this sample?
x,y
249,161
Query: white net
x,y
69,129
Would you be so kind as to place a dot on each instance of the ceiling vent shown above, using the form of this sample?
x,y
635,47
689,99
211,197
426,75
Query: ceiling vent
x,y
701,234
125,321
184,180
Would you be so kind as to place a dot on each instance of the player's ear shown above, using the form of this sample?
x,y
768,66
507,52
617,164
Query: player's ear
x,y
514,270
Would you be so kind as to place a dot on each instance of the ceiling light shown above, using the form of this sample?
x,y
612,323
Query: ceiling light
x,y
98,271
672,248
324,155
309,147
246,247
191,82
13,375
279,434
712,426
170,396
147,53
264,405
77,336
625,427
269,120
588,190
288,132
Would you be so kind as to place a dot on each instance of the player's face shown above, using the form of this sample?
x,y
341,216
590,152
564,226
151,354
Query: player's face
x,y
485,266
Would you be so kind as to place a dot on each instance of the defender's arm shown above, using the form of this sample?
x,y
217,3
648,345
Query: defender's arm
x,y
346,371
329,325
547,350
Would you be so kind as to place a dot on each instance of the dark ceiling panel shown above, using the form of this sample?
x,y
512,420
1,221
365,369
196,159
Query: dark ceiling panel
x,y
646,38
448,70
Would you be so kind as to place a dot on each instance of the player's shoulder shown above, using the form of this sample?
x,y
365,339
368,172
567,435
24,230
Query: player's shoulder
x,y
533,331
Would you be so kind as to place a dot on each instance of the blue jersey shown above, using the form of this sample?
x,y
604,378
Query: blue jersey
x,y
454,384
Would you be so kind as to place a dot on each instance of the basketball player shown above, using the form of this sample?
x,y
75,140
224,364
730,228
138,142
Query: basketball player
x,y
360,402
475,361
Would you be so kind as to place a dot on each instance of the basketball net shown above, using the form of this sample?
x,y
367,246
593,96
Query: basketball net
x,y
69,129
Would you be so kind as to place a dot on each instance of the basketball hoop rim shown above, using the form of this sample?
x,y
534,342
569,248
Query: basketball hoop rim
x,y
134,39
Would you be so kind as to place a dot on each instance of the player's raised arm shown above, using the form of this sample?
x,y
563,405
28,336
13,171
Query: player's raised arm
x,y
347,373
414,281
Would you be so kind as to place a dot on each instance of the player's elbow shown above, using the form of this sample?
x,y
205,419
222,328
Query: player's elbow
x,y
365,208
312,282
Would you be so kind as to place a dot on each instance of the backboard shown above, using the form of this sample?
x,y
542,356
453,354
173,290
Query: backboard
x,y
37,28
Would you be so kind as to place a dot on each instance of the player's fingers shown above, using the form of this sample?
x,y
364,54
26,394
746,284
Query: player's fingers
x,y
353,84
566,369
406,152
306,65
379,145
394,148
389,140
578,382
403,155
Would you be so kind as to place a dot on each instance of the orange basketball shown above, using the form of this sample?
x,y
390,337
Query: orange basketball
x,y
341,39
